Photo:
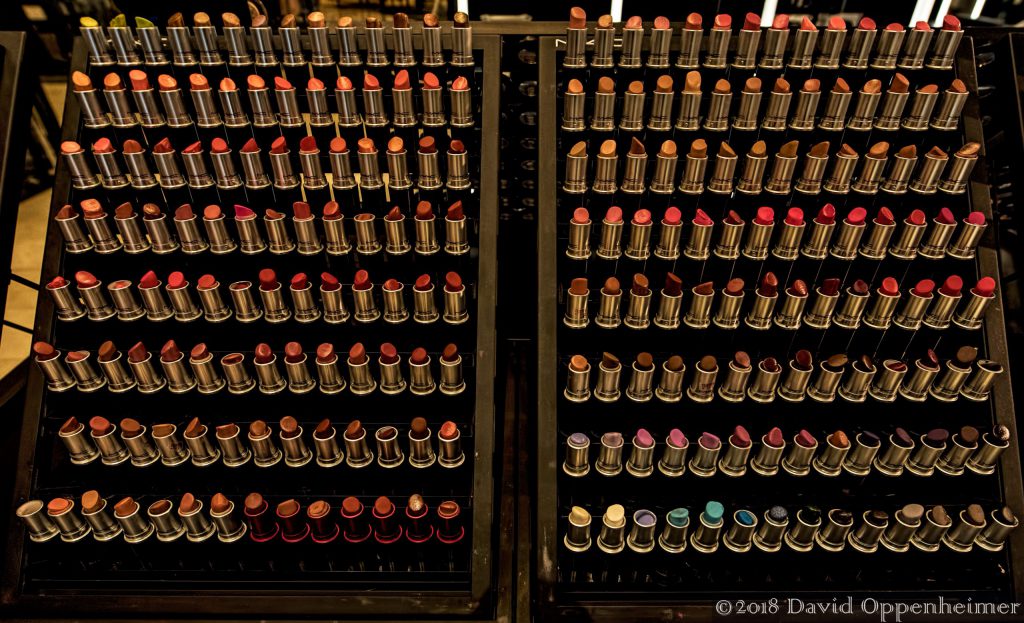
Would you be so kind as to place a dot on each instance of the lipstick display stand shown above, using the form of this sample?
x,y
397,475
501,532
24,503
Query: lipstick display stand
x,y
444,579
583,579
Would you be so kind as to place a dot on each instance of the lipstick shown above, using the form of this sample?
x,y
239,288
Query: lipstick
x,y
91,290
885,384
67,306
750,104
242,300
945,45
868,98
992,445
94,511
887,297
639,247
576,39
971,313
610,247
702,386
663,179
963,444
882,227
798,461
82,176
784,165
954,374
715,55
770,534
280,241
849,315
830,461
145,100
356,528
899,175
955,181
906,245
172,361
753,168
927,178
830,373
934,245
128,226
274,306
452,381
608,316
238,379
777,111
632,42
75,239
216,231
806,105
121,113
965,243
609,372
890,40
424,308
832,42
389,454
792,308
631,117
641,379
232,449
802,534
222,512
794,386
263,45
747,42
805,41
916,45
153,298
394,305
455,311
689,102
604,42
994,535
140,361
461,103
96,40
321,57
689,42
577,539
576,316
704,462
660,116
951,107
659,43
850,233
172,453
892,106
717,118
734,387
577,387
705,538
58,378
911,314
770,454
834,117
861,43
127,306
348,51
111,176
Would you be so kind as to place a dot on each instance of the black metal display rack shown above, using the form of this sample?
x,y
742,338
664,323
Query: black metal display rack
x,y
275,578
634,586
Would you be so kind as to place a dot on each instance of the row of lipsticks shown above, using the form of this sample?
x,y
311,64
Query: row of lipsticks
x,y
911,238
62,516
204,117
635,115
904,174
836,375
129,237
76,370
197,185
274,309
923,305
134,442
910,525
268,50
938,450
895,47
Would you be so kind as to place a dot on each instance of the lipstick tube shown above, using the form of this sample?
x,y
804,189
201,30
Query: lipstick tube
x,y
238,379
391,381
953,460
85,375
104,528
794,386
830,461
299,379
229,527
823,389
361,381
979,384
765,381
728,246
770,534
632,43
899,175
798,461
934,246
638,311
660,117
855,385
285,179
753,173
717,51
952,379
273,304
704,461
175,111
96,304
698,316
728,314
331,380
263,46
994,535
922,461
885,384
296,454
927,178
832,537
920,111
863,116
357,452
766,462
265,453
862,454
746,116
910,315
956,179
58,378
962,536
179,379
880,315
136,528
121,112
760,314
950,109
889,44
576,315
861,43
104,239
814,170
201,448
804,43
389,454
131,234
150,114
606,388
611,239
376,49
148,380
75,239
242,300
831,47
777,111
773,51
721,181
906,245
217,233
687,119
848,240
891,463
972,312
986,458
249,237
209,381
892,110
81,173
161,239
99,46
269,377
734,387
783,167
450,454
263,525
111,176
394,305
878,240
944,49
577,387
80,447
806,108
634,174
717,118
302,301
639,247
328,453
790,312
421,454
577,460
66,304
365,307
865,538
640,383
188,233
697,247
172,453
702,386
